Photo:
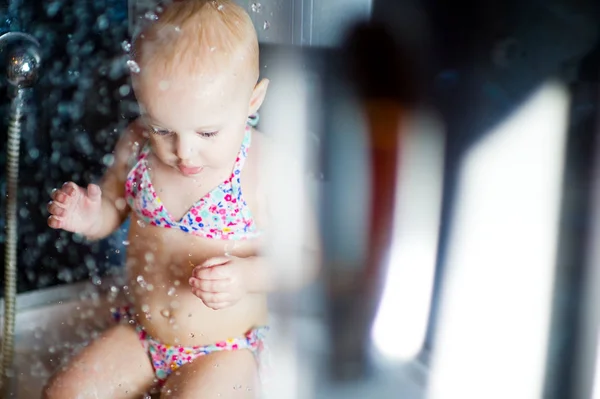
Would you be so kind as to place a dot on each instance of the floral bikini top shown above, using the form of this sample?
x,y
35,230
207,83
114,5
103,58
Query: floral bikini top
x,y
220,214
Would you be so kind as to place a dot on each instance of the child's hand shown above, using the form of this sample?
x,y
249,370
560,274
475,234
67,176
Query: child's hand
x,y
75,209
219,282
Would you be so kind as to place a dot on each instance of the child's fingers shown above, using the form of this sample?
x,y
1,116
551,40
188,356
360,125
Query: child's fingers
x,y
209,285
55,209
55,222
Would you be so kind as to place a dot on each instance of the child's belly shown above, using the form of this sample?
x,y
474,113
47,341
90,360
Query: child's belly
x,y
160,262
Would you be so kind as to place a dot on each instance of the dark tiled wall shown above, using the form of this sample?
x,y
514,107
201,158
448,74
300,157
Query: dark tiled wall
x,y
82,100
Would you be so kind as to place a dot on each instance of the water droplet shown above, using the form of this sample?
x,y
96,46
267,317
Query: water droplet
x,y
212,49
96,280
133,66
192,335
108,159
171,291
256,7
151,15
126,46
114,289
140,280
266,25
126,242
34,153
217,365
176,283
149,256
140,223
220,7
52,349
150,287
165,313
163,85
124,90
102,22
145,308
120,203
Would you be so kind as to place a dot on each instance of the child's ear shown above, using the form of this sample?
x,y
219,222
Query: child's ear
x,y
258,96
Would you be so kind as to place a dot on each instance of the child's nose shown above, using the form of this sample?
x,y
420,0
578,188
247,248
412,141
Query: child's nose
x,y
184,148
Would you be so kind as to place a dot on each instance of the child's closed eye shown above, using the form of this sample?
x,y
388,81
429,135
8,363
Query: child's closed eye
x,y
207,134
161,132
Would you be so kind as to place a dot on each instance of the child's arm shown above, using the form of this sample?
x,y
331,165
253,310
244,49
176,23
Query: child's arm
x,y
114,209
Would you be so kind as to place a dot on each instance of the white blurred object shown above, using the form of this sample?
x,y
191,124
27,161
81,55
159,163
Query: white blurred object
x,y
587,370
495,305
284,121
401,322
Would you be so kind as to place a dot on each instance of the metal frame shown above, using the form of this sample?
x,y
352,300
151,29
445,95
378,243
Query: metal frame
x,y
293,22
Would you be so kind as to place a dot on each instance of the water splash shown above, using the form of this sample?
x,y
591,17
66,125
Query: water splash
x,y
133,66
256,7
140,280
126,46
266,25
151,16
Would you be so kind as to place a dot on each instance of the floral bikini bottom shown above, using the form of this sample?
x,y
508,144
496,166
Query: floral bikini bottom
x,y
168,358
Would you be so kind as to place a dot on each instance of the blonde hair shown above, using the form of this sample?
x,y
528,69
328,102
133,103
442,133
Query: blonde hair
x,y
199,35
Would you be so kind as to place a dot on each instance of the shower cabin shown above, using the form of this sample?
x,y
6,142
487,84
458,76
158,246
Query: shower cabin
x,y
484,194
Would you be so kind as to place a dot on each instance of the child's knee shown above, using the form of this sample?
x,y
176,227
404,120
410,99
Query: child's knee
x,y
58,387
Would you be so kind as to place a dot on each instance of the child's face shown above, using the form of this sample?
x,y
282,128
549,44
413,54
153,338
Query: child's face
x,y
197,123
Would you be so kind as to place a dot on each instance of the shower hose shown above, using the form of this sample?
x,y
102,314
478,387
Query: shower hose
x,y
22,63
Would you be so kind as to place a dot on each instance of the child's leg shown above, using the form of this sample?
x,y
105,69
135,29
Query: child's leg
x,y
226,374
114,366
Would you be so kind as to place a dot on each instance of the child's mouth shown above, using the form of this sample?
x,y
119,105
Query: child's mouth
x,y
190,170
